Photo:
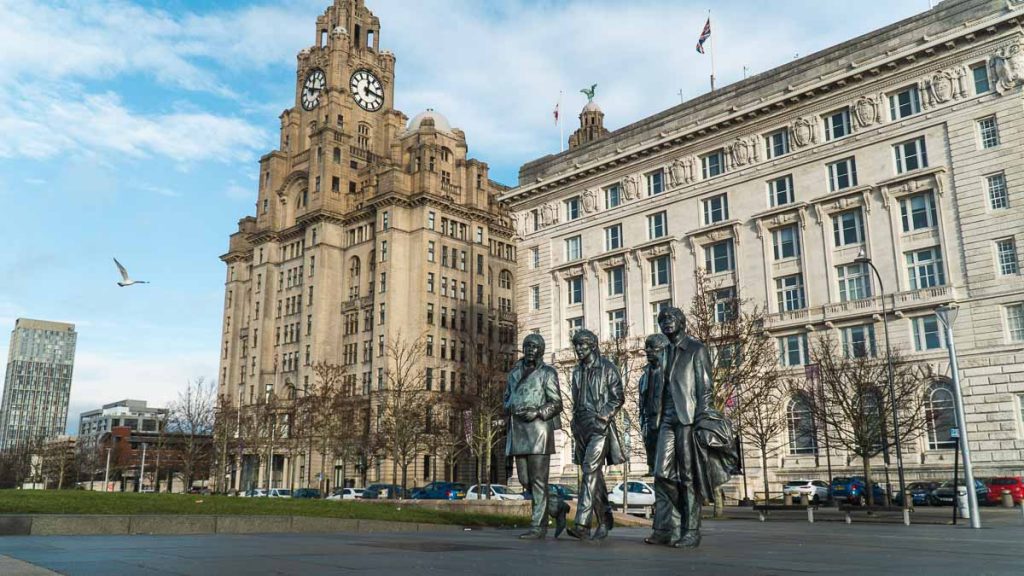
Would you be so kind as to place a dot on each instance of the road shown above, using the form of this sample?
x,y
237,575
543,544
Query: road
x,y
729,547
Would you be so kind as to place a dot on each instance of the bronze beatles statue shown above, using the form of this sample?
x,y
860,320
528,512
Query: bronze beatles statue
x,y
534,405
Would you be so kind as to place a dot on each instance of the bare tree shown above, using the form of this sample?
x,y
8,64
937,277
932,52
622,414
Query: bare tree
x,y
225,434
480,407
191,419
627,353
759,413
58,463
320,403
405,402
851,404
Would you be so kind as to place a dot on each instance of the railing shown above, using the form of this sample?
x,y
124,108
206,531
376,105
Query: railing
x,y
450,189
506,316
364,155
863,306
934,294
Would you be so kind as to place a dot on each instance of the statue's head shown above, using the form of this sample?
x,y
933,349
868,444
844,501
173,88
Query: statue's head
x,y
656,346
584,342
533,349
672,321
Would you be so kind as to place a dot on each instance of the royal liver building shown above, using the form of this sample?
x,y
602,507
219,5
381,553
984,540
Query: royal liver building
x,y
900,149
369,227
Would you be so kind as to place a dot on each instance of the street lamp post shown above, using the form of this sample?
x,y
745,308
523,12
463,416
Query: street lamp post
x,y
106,474
947,315
863,258
142,467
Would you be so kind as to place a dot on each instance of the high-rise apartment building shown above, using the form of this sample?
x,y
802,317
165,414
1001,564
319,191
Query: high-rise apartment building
x,y
368,226
37,385
133,414
904,145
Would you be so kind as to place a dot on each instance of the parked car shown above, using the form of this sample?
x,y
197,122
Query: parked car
x,y
563,491
440,491
279,493
640,494
919,492
346,494
853,490
943,495
254,493
1015,484
817,490
375,491
498,492
307,493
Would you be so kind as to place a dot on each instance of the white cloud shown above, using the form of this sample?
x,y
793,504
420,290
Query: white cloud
x,y
235,191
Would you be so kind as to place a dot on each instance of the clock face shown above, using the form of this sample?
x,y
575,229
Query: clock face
x,y
366,90
312,88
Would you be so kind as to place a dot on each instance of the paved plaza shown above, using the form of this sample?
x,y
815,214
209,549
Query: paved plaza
x,y
730,547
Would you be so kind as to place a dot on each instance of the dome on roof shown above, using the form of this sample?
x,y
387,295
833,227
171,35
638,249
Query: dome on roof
x,y
438,120
591,107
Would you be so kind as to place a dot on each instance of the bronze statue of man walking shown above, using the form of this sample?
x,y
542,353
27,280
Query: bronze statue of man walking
x,y
534,404
596,398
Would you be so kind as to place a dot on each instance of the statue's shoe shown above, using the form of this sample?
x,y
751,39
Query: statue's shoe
x,y
658,538
578,533
534,534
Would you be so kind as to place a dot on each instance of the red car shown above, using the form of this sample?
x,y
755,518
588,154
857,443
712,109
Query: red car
x,y
1015,484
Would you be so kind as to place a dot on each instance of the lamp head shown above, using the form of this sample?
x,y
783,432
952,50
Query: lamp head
x,y
947,314
862,257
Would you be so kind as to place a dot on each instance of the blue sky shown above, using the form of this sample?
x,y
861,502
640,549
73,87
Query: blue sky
x,y
132,129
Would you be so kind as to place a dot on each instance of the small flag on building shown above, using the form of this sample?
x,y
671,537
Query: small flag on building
x,y
557,106
704,35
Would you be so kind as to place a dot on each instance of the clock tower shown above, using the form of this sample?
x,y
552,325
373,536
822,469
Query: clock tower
x,y
370,228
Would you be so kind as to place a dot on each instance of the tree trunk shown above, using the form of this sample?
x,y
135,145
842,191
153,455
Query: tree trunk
x,y
764,473
405,475
870,496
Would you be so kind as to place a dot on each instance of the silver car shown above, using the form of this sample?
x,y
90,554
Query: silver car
x,y
816,490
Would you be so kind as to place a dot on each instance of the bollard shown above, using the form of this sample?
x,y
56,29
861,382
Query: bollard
x,y
787,499
1007,499
965,510
805,500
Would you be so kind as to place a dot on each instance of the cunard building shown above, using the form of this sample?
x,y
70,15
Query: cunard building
x,y
904,144
368,226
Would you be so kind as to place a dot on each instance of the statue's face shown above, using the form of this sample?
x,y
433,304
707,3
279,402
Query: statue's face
x,y
670,325
531,352
654,354
583,349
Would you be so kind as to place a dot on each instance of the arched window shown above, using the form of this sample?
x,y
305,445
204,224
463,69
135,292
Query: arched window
x,y
941,417
505,279
353,277
800,425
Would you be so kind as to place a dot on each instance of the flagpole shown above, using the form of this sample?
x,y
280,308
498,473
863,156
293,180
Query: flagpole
x,y
561,128
712,39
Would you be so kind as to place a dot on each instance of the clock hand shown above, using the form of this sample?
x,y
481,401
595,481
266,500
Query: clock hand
x,y
372,93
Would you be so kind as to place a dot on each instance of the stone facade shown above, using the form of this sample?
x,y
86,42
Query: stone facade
x,y
904,143
363,221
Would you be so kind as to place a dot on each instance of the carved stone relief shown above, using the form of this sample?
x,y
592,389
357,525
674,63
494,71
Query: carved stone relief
x,y
681,171
614,261
1008,66
589,201
549,215
803,132
866,111
631,187
743,151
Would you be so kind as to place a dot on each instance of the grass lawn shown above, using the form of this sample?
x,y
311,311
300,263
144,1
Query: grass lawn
x,y
88,502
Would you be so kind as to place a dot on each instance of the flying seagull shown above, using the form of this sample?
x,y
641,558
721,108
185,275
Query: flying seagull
x,y
125,280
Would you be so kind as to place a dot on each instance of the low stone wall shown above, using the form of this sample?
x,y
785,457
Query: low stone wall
x,y
520,508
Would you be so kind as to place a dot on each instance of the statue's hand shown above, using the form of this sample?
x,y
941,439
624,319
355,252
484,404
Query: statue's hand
x,y
527,415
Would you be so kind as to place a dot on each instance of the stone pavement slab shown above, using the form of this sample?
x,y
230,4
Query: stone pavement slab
x,y
729,547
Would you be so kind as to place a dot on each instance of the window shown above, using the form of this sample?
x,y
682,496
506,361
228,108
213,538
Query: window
x,y
859,341
910,155
431,220
988,130
381,316
657,225
613,237
534,298
383,283
535,257
998,198
335,184
780,191
385,220
854,282
939,411
617,324
660,271
842,174
790,292
655,182
616,281
712,164
801,429
573,249
924,267
837,124
928,333
793,350
575,324
656,309
612,196
1015,322
383,250
430,313
725,304
776,144
430,282
979,73
479,235
575,290
848,227
718,257
716,209
430,345
917,212
431,251
786,242
572,208
505,280
1006,255
905,103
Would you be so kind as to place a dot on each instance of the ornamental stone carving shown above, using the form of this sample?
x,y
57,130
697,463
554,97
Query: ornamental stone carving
x,y
1008,66
945,85
631,187
743,151
681,171
803,132
548,215
866,111
589,201
339,31
614,261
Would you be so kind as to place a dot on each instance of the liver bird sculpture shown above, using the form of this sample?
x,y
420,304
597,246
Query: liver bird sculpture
x,y
590,92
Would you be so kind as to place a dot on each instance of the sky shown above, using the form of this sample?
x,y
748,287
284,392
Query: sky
x,y
133,130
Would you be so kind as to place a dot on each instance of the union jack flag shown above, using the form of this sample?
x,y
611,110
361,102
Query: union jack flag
x,y
704,35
